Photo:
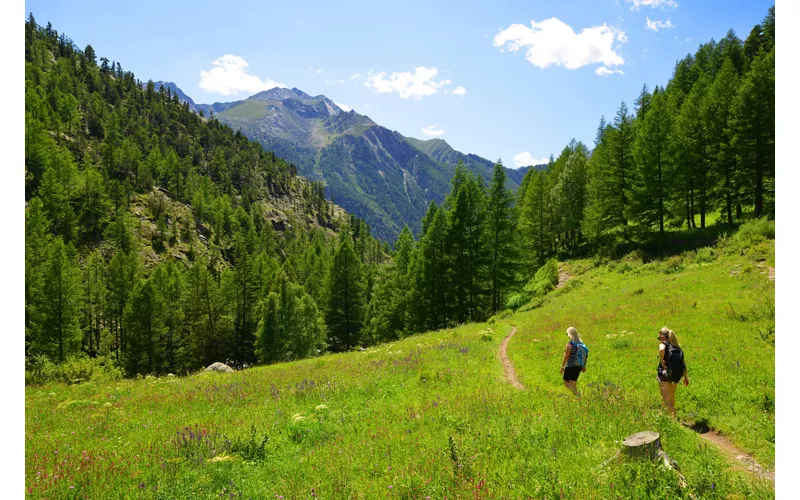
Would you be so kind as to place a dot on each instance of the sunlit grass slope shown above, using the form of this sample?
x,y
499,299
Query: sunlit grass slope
x,y
432,415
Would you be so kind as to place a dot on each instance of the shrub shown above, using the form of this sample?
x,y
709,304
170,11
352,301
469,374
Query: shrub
x,y
548,273
252,448
517,300
39,370
749,234
705,254
673,265
636,257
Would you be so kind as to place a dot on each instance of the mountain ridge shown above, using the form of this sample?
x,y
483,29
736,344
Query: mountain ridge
x,y
376,173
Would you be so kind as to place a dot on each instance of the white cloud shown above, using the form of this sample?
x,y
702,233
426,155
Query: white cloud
x,y
603,71
656,25
344,107
460,91
525,159
637,4
228,76
319,71
554,42
354,76
433,131
418,84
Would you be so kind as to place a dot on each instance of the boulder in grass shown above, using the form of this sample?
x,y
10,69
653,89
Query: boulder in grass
x,y
219,367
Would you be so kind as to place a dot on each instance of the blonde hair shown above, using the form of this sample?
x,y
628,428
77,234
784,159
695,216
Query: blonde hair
x,y
573,335
671,337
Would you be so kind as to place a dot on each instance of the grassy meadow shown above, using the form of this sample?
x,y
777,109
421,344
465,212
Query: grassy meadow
x,y
432,416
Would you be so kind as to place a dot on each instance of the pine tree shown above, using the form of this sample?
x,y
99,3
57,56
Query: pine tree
x,y
95,294
465,245
501,240
37,242
168,280
60,333
144,317
429,302
653,157
753,123
122,275
693,172
346,293
716,113
533,223
571,191
620,143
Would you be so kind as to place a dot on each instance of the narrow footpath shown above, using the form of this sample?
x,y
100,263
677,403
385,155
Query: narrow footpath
x,y
740,459
508,367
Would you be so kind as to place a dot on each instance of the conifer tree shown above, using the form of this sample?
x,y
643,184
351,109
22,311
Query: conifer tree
x,y
465,245
144,317
60,333
694,172
716,113
345,292
651,190
753,124
501,241
620,143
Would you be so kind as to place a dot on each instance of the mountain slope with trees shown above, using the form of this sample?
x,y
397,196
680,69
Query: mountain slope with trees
x,y
377,174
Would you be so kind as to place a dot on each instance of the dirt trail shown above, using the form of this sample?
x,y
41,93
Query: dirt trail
x,y
563,276
741,459
771,273
508,367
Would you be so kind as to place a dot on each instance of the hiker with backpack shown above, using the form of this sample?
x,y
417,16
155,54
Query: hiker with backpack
x,y
574,363
671,367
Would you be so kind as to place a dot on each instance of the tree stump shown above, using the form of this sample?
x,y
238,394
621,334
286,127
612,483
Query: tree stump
x,y
647,444
642,445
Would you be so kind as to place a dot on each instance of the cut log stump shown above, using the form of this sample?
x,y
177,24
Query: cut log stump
x,y
647,444
642,445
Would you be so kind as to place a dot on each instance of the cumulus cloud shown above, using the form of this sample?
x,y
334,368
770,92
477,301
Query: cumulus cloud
x,y
228,76
603,71
525,159
344,107
420,83
433,131
554,42
657,25
637,4
460,91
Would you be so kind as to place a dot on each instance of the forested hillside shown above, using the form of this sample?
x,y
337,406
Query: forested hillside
x,y
373,172
158,241
190,272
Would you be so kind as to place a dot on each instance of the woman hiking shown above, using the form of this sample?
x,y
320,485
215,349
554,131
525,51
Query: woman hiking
x,y
671,367
574,362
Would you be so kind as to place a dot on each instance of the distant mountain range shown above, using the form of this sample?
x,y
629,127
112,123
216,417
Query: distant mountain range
x,y
378,174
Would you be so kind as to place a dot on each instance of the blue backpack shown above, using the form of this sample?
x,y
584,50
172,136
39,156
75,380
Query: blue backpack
x,y
581,355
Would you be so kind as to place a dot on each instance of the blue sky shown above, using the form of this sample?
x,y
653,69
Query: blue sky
x,y
510,79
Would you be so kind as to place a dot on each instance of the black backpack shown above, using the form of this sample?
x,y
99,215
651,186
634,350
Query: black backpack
x,y
674,360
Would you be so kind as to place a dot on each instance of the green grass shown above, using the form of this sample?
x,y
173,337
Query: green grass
x,y
247,109
432,415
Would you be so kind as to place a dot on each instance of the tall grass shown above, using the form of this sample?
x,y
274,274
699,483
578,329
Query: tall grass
x,y
432,415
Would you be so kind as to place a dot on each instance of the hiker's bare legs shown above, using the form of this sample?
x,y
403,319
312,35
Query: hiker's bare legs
x,y
572,386
672,389
668,395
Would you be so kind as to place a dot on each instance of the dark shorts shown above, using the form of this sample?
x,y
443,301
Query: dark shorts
x,y
662,377
572,372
